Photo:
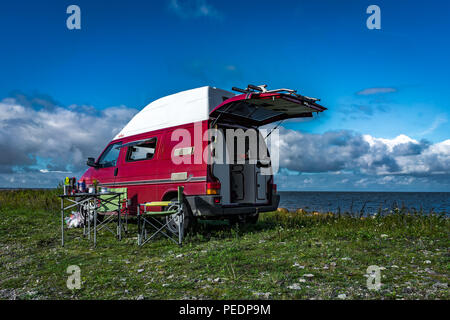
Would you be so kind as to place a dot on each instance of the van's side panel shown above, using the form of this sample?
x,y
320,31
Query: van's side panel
x,y
155,178
137,176
182,160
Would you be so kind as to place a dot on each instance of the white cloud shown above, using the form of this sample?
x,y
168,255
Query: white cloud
x,y
433,160
390,143
54,140
53,171
348,151
371,91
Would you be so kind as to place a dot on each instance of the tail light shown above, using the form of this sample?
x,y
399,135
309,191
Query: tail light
x,y
213,188
274,188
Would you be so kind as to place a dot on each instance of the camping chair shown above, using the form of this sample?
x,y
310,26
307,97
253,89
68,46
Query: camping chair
x,y
174,213
106,209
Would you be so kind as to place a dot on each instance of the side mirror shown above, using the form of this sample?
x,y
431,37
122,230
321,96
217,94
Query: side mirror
x,y
91,162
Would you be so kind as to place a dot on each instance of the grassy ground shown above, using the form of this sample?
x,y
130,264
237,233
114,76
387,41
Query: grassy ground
x,y
283,256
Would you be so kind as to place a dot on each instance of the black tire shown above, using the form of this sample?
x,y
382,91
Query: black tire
x,y
236,219
189,219
252,219
243,219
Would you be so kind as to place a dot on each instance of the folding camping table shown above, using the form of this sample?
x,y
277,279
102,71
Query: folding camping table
x,y
91,205
174,213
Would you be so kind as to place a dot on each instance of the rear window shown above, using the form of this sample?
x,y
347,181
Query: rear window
x,y
141,151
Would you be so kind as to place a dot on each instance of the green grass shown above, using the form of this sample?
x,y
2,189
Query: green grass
x,y
220,262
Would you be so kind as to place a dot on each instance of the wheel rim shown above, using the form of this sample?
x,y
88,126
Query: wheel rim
x,y
174,219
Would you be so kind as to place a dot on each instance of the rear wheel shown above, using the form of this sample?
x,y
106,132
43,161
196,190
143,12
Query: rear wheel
x,y
244,219
252,219
236,219
189,219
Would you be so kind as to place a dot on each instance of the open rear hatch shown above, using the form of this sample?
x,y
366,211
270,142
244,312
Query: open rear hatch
x,y
257,106
251,183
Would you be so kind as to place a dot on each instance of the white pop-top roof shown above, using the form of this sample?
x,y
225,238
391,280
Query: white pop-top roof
x,y
179,108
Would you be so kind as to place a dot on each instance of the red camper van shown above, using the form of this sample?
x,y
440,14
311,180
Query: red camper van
x,y
145,155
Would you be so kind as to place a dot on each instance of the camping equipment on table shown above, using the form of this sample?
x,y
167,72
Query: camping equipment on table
x,y
81,186
174,213
70,185
91,207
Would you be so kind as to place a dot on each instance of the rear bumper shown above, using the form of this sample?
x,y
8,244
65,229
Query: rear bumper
x,y
205,206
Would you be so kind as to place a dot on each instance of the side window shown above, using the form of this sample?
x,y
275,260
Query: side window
x,y
109,157
142,151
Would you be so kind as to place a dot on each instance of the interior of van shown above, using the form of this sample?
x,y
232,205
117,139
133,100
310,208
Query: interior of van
x,y
240,168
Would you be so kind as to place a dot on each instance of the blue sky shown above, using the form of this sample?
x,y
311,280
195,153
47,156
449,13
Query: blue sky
x,y
378,83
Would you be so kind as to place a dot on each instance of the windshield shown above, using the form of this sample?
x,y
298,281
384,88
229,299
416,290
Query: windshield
x,y
109,156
